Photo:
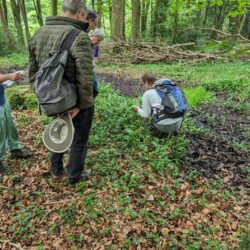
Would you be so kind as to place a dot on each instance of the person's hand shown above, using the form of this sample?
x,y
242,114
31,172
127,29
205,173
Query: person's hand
x,y
73,112
136,108
17,76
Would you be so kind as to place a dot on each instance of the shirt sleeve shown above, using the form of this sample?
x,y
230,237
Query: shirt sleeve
x,y
146,109
81,51
32,65
97,51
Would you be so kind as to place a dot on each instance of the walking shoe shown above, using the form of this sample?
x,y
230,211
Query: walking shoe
x,y
20,154
58,175
2,168
85,176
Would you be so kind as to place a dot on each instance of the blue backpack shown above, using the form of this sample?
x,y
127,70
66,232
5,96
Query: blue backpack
x,y
173,100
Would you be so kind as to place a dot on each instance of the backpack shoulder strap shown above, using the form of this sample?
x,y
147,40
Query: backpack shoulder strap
x,y
70,38
160,88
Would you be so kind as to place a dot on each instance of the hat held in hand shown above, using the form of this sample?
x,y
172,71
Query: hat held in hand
x,y
58,135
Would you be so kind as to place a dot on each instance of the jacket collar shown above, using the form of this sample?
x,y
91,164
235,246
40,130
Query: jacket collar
x,y
60,20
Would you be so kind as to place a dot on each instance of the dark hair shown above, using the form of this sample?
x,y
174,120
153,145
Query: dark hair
x,y
92,15
150,78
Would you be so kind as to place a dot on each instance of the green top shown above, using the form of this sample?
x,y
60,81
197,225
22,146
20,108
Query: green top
x,y
79,66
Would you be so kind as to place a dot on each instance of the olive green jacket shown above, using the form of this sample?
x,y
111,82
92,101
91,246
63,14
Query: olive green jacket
x,y
79,68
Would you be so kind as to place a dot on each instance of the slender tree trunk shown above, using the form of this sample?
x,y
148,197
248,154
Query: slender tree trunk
x,y
54,7
136,13
206,13
93,4
4,24
17,20
215,22
99,10
246,26
160,17
118,20
5,11
144,16
236,24
25,20
243,18
38,9
110,13
175,26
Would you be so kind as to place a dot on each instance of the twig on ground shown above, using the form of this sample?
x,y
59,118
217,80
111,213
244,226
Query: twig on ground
x,y
17,246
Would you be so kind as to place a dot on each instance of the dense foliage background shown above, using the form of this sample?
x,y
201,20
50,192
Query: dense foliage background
x,y
173,21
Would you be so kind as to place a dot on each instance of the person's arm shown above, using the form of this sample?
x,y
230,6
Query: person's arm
x,y
16,76
146,109
81,51
96,54
32,64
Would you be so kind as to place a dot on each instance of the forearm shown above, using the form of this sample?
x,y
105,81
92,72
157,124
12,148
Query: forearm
x,y
4,78
143,113
145,110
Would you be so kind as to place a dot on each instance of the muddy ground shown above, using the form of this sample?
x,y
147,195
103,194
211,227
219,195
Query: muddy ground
x,y
218,154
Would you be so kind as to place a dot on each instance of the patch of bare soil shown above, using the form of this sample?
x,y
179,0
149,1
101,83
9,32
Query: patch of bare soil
x,y
225,123
125,84
218,156
215,158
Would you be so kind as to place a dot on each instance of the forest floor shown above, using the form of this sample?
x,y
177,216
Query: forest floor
x,y
184,192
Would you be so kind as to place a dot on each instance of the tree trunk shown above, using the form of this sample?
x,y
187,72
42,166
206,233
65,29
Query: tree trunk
x,y
4,24
206,13
175,25
99,11
243,18
110,13
54,7
160,17
93,4
246,26
236,24
5,12
118,20
38,9
136,13
25,20
144,16
17,20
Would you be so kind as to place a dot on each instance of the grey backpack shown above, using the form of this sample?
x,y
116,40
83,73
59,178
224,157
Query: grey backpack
x,y
56,94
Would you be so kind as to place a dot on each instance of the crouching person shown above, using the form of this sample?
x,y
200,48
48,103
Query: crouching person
x,y
8,131
165,103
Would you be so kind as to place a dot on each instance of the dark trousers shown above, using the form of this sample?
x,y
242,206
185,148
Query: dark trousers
x,y
78,151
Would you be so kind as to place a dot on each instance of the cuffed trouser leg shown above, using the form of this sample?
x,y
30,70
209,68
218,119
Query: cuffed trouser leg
x,y
9,133
2,132
12,133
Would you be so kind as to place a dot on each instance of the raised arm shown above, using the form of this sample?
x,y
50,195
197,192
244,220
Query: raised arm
x,y
16,76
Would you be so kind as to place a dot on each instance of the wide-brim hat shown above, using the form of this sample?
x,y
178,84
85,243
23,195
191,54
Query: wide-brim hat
x,y
59,134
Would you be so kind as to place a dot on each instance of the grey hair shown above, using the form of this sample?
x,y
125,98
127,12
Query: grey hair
x,y
97,33
74,6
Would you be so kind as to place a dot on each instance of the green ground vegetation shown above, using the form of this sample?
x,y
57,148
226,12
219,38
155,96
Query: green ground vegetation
x,y
139,194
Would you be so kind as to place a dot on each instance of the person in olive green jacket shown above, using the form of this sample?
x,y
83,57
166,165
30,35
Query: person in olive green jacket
x,y
79,69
